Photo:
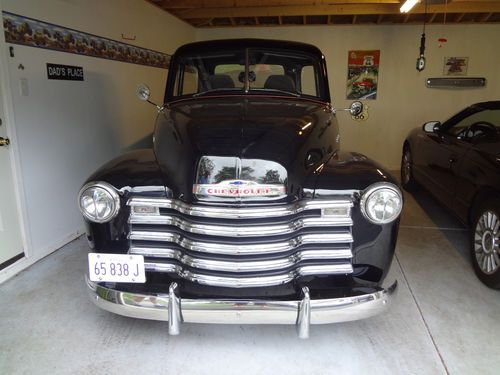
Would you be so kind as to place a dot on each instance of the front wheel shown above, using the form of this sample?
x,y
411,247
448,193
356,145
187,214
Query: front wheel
x,y
485,249
407,179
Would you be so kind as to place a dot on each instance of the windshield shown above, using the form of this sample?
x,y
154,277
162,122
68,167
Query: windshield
x,y
252,71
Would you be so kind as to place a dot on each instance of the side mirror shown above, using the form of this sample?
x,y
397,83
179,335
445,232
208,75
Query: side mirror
x,y
143,92
356,108
431,126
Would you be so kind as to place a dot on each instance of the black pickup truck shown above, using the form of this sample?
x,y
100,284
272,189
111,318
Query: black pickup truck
x,y
245,210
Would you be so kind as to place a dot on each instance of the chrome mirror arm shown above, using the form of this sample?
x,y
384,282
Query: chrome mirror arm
x,y
156,105
355,109
335,110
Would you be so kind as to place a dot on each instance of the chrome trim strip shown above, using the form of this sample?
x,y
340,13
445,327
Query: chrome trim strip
x,y
248,282
242,311
225,212
144,189
240,265
253,249
239,231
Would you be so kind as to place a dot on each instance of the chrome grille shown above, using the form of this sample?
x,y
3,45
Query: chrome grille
x,y
242,246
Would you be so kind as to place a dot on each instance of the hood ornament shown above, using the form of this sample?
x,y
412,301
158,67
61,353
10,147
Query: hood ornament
x,y
239,189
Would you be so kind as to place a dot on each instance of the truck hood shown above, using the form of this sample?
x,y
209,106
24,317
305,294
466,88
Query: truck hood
x,y
264,140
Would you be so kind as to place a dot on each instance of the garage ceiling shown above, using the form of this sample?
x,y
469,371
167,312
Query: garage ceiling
x,y
234,13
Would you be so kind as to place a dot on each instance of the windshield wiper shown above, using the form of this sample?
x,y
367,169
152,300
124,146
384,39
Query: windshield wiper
x,y
225,89
216,90
279,91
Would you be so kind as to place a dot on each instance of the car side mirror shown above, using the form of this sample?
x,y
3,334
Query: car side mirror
x,y
431,126
356,108
143,93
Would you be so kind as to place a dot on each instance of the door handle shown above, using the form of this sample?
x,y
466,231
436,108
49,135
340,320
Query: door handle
x,y
453,159
4,141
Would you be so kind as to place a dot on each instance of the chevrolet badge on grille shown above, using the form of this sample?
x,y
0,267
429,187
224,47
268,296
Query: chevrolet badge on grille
x,y
239,188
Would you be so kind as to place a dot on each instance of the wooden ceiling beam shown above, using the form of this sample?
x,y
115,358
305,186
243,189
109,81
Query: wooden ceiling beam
x,y
466,1
184,4
204,23
348,9
486,17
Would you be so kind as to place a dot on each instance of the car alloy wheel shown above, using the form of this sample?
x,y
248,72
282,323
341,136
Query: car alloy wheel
x,y
406,167
407,179
487,242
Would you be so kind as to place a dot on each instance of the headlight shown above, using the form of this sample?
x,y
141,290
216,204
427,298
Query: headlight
x,y
99,202
381,203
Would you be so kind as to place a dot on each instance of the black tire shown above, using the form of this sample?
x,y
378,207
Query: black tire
x,y
407,180
485,242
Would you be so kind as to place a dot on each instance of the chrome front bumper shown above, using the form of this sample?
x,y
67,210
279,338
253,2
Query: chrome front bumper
x,y
302,313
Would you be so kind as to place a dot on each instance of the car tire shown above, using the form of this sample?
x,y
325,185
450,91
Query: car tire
x,y
407,180
485,243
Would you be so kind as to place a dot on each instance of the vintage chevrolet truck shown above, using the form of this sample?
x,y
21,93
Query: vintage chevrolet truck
x,y
245,210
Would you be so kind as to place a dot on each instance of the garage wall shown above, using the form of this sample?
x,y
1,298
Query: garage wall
x,y
64,130
403,101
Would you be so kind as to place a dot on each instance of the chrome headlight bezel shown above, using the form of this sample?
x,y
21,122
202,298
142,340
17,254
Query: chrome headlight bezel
x,y
114,200
376,188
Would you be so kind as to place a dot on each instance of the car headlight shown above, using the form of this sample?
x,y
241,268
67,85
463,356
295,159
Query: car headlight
x,y
99,202
381,203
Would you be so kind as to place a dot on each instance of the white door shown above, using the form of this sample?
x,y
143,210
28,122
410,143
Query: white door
x,y
11,248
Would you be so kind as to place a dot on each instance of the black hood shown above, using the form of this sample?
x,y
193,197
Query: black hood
x,y
264,135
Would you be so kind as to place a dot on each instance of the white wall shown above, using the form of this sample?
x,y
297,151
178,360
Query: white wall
x,y
403,101
64,130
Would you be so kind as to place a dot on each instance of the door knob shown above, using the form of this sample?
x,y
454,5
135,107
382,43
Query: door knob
x,y
4,141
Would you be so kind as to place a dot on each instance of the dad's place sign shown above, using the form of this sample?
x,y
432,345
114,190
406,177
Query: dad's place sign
x,y
64,72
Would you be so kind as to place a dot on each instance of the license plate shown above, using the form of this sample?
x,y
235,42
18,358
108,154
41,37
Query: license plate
x,y
120,268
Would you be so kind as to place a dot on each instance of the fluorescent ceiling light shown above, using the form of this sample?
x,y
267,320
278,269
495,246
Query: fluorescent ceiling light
x,y
408,5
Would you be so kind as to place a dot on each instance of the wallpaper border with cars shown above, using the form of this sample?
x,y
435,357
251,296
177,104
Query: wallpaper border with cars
x,y
35,33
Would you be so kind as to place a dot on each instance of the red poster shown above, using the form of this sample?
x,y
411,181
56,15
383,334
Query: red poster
x,y
362,74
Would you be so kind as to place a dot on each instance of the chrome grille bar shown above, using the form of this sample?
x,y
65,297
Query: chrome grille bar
x,y
225,212
236,249
246,282
243,266
238,231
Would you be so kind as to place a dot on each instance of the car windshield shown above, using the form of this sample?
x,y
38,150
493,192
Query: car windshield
x,y
253,71
479,126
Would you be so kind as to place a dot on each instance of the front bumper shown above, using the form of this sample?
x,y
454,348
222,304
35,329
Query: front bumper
x,y
302,313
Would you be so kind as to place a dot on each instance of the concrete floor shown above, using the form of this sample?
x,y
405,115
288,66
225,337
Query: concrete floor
x,y
443,321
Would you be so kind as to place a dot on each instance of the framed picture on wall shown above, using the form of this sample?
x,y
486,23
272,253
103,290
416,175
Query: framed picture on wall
x,y
455,66
362,74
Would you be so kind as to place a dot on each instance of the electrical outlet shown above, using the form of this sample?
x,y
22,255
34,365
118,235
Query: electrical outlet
x,y
23,87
